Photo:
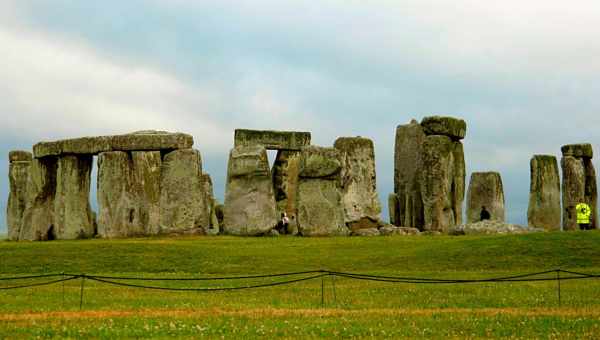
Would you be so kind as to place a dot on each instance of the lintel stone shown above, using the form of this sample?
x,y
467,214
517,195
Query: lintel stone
x,y
277,140
137,141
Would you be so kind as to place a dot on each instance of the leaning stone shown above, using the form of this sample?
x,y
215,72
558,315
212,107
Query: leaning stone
x,y
408,151
141,141
366,232
578,150
17,199
544,194
278,140
446,126
320,209
359,187
249,196
38,218
72,210
210,202
182,204
393,209
19,156
485,190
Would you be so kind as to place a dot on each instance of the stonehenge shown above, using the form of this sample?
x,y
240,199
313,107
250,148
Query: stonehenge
x,y
579,183
429,174
485,190
149,182
544,194
153,183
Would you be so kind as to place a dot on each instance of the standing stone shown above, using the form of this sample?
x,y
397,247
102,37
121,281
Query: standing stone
x,y
182,205
359,189
579,183
128,193
544,194
249,196
485,190
20,163
38,218
285,180
72,211
437,183
429,176
320,208
393,209
408,165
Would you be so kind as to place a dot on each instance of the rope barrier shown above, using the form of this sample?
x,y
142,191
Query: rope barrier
x,y
114,280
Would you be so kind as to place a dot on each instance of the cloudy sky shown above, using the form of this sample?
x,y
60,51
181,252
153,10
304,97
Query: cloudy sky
x,y
524,74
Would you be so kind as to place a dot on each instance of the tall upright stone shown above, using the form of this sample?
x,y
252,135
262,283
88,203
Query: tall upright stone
x,y
442,176
320,207
38,218
211,203
579,183
19,165
128,193
544,194
249,196
72,211
407,204
182,204
359,187
485,190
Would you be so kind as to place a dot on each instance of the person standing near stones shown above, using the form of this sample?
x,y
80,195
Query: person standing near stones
x,y
583,216
283,223
485,215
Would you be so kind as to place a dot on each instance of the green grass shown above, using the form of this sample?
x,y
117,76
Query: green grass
x,y
352,308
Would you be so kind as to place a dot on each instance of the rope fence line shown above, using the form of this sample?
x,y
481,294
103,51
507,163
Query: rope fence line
x,y
306,276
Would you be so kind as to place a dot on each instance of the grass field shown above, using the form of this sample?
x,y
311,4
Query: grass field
x,y
351,308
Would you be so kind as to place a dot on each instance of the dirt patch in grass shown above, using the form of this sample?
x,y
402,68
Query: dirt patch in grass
x,y
276,312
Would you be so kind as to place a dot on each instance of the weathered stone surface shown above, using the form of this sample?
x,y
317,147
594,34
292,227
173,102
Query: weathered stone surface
x,y
485,190
573,190
446,126
491,227
38,218
320,209
407,171
441,183
220,213
544,194
319,162
579,184
249,197
278,140
129,193
578,150
359,188
366,232
391,230
286,170
18,172
137,141
72,211
19,156
182,204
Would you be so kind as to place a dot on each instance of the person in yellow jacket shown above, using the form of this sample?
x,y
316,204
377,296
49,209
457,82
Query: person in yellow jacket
x,y
583,216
